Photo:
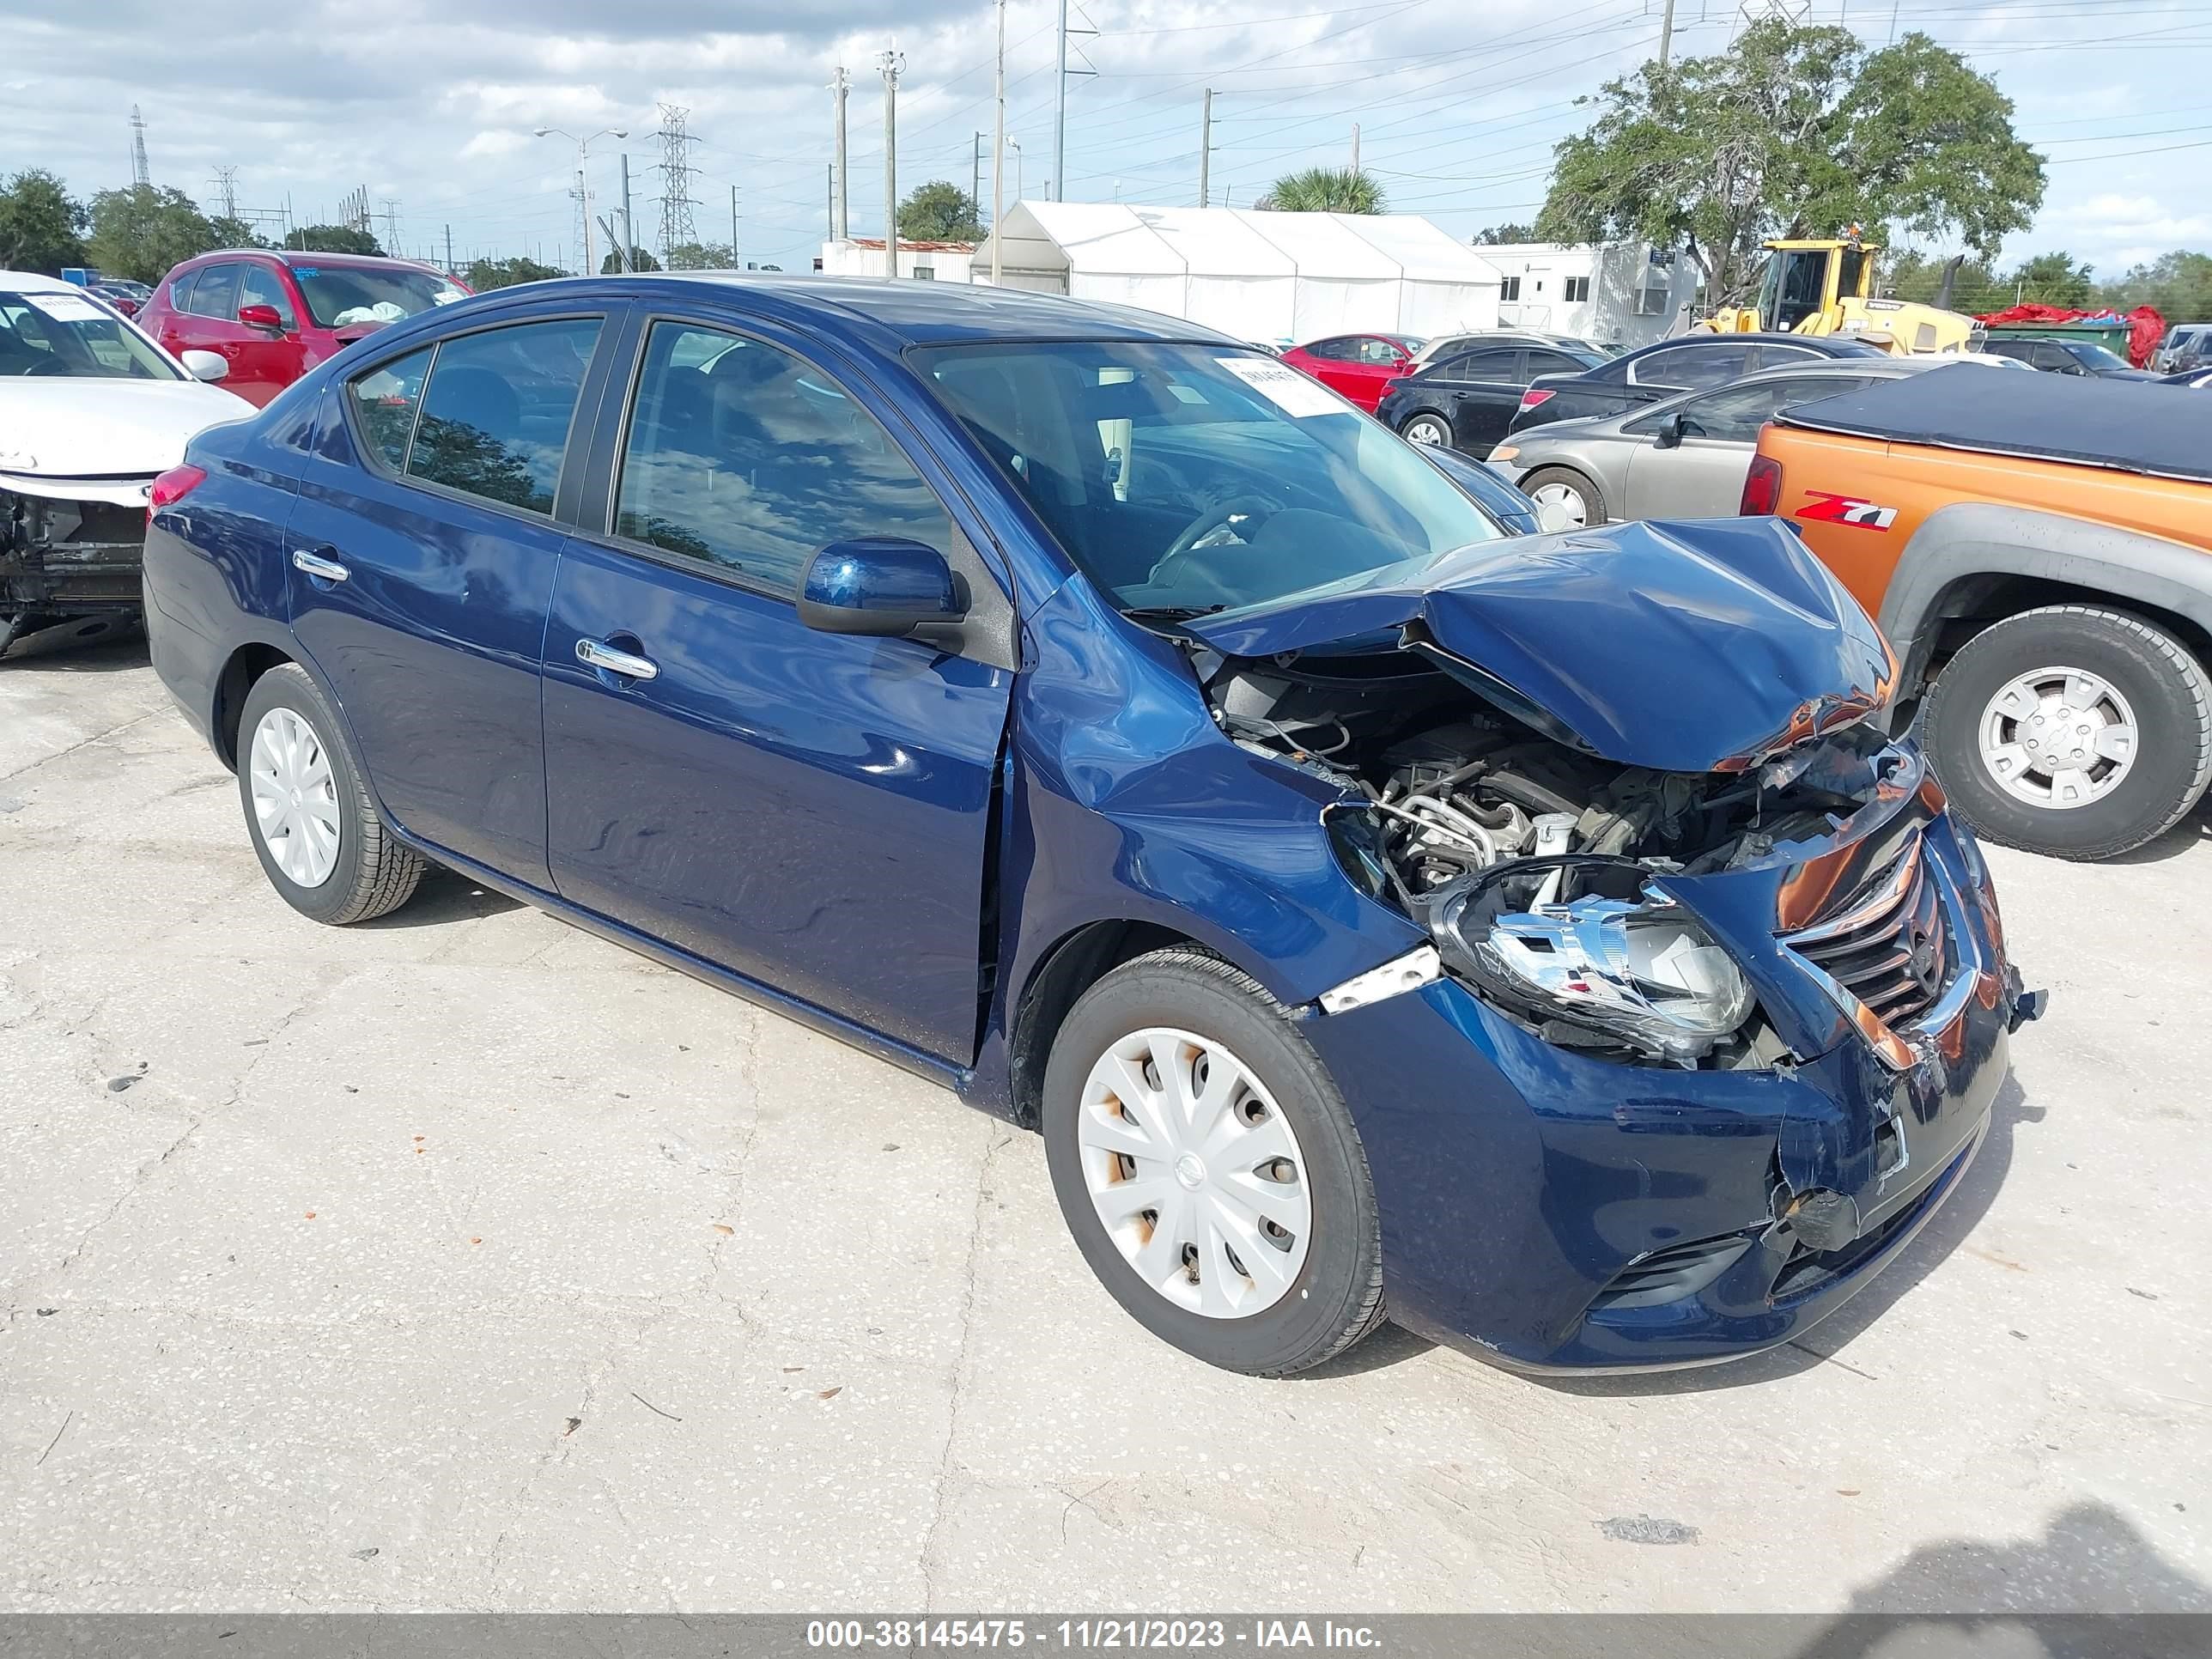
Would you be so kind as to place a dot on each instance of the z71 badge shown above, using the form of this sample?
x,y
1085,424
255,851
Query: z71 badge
x,y
1821,507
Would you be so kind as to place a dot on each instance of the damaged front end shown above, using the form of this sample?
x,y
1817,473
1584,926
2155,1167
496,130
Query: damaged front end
x,y
1679,859
64,556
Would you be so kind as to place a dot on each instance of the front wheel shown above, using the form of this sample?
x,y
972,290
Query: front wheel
x,y
2072,730
320,842
1426,430
1566,499
1209,1169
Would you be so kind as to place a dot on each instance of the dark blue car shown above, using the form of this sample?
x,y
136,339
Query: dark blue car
x,y
1535,939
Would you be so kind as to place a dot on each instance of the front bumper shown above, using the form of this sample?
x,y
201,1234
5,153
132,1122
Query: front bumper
x,y
1523,1186
62,559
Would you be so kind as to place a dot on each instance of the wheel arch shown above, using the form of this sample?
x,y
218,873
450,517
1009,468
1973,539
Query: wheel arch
x,y
1075,963
233,685
1977,562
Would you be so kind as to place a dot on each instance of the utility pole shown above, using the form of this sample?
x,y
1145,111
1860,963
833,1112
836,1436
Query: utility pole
x,y
1355,149
1666,33
998,155
629,230
839,229
733,228
1055,188
890,65
449,250
1893,21
829,186
975,173
1205,146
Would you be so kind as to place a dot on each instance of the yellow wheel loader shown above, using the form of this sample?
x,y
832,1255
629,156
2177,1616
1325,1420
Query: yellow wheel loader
x,y
1826,287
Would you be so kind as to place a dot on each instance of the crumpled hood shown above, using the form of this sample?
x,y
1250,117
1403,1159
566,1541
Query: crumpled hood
x,y
56,426
1685,646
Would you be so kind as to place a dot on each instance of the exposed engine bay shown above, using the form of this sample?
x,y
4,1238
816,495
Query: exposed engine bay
x,y
60,559
1528,859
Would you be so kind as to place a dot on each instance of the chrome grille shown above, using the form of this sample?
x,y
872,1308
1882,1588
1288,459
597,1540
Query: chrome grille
x,y
1890,948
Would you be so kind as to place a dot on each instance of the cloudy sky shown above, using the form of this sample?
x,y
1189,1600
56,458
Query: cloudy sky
x,y
430,104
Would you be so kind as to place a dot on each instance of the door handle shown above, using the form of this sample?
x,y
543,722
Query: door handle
x,y
593,654
315,564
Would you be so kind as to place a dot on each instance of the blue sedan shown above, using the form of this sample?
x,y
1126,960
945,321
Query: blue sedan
x,y
1538,939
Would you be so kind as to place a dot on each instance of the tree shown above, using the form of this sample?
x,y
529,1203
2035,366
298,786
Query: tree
x,y
331,239
2179,284
1495,235
42,225
235,233
2053,279
638,261
484,275
940,211
1325,190
701,256
1796,132
141,232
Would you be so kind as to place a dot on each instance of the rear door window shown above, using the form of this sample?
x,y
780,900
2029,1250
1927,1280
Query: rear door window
x,y
1493,364
748,459
1334,351
495,414
216,293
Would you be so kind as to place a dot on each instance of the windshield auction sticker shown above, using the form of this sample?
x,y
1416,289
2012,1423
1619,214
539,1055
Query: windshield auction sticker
x,y
67,308
1283,386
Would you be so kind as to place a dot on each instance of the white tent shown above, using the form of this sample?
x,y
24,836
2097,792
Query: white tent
x,y
1258,276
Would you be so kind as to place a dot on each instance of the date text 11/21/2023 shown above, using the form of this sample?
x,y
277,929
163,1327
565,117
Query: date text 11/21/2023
x,y
1087,1634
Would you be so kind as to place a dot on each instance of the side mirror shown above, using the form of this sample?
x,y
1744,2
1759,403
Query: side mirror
x,y
205,365
886,586
1670,436
261,317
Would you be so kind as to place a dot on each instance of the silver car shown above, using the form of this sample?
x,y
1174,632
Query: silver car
x,y
1683,458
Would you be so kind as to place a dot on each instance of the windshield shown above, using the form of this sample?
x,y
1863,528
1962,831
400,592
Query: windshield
x,y
47,333
2097,357
341,296
1185,478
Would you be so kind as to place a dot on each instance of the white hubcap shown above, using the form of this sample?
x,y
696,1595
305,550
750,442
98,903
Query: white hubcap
x,y
1565,505
1426,432
2058,738
295,798
1195,1173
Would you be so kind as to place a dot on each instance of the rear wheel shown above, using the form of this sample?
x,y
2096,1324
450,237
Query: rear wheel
x,y
1209,1169
1570,500
2072,730
1426,428
314,828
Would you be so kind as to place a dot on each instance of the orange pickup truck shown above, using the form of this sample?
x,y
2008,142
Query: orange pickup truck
x,y
2039,550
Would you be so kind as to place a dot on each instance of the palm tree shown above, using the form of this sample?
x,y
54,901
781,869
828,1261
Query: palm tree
x,y
1325,190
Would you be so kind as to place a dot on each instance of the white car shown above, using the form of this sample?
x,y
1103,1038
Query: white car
x,y
91,411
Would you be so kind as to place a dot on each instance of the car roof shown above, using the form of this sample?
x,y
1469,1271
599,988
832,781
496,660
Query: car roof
x,y
913,312
30,281
288,255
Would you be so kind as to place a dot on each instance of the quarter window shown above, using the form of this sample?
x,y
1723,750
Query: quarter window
x,y
385,402
748,459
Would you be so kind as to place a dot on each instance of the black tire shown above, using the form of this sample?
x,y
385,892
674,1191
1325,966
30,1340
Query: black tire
x,y
1336,1297
1430,418
1593,498
373,874
2165,686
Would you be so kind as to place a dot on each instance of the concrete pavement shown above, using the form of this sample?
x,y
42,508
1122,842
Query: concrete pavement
x,y
463,1262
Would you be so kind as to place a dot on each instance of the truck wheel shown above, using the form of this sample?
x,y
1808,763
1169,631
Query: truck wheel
x,y
2072,730
1209,1169
1563,491
320,842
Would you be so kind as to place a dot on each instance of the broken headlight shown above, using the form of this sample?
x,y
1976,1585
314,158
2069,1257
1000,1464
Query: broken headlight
x,y
1629,967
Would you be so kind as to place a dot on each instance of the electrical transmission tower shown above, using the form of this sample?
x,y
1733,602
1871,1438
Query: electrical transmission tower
x,y
1753,13
226,190
392,226
352,210
141,174
676,230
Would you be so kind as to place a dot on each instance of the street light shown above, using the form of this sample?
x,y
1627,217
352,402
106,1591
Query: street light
x,y
583,183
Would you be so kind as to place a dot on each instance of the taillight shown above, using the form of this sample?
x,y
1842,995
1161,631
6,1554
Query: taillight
x,y
173,487
1762,487
1536,394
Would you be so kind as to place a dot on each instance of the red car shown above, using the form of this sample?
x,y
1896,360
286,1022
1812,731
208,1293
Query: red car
x,y
1357,367
273,315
